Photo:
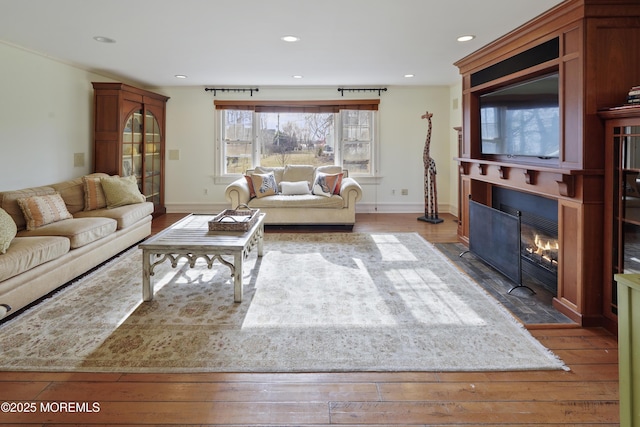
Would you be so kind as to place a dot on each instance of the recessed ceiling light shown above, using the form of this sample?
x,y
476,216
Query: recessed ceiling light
x,y
466,38
409,75
297,76
103,39
180,76
290,39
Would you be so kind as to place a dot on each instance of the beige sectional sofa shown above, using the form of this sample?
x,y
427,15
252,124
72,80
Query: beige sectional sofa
x,y
300,195
41,259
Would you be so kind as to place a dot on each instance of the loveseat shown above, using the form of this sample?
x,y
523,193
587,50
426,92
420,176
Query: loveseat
x,y
298,194
52,234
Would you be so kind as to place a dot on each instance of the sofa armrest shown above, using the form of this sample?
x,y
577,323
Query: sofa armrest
x,y
350,191
238,192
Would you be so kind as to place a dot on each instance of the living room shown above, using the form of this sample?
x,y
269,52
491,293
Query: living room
x,y
47,133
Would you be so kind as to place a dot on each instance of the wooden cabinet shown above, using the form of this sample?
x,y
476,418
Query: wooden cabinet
x,y
129,127
594,47
622,201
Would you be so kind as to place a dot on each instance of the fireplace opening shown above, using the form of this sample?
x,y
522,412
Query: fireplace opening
x,y
539,248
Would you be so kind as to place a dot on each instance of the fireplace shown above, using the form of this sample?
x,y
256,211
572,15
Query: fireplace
x,y
539,245
538,249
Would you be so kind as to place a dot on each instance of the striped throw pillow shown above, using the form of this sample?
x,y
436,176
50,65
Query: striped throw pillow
x,y
43,210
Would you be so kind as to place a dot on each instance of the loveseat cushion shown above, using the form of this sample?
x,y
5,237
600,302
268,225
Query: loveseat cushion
x,y
293,173
298,201
277,172
26,253
79,231
124,215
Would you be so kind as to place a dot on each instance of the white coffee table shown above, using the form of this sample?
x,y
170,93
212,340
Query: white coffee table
x,y
191,239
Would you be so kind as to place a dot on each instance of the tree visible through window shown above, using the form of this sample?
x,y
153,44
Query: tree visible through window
x,y
278,136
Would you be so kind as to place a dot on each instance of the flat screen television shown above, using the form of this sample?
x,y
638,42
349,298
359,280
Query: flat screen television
x,y
522,119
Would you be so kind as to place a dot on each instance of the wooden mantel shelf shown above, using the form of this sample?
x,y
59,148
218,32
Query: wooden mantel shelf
x,y
532,167
535,178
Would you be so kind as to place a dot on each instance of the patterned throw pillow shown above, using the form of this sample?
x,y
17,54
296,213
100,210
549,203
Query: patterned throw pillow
x,y
43,210
94,197
327,184
264,185
8,230
121,191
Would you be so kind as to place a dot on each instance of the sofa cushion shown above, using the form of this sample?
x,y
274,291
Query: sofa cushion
x,y
26,253
9,202
293,173
79,231
121,191
277,172
8,230
264,184
298,201
124,215
72,191
43,210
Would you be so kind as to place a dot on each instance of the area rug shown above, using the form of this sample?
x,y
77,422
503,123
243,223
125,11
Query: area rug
x,y
323,302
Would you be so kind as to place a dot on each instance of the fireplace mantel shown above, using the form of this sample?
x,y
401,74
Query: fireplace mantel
x,y
544,181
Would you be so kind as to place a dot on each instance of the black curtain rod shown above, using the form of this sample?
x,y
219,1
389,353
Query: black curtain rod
x,y
379,90
214,90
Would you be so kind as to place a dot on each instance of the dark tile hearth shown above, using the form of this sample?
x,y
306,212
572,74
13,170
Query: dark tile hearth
x,y
529,308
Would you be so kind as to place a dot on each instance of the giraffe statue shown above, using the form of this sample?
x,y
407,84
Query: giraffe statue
x,y
430,188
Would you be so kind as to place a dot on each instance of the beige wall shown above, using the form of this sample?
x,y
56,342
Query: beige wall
x,y
46,117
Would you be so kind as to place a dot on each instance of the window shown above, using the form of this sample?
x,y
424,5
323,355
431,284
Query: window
x,y
285,133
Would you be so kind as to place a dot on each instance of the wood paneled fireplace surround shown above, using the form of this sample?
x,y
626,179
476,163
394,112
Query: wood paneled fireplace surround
x,y
594,47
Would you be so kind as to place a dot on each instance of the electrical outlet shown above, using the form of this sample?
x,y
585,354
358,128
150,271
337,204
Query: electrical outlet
x,y
405,192
206,191
393,192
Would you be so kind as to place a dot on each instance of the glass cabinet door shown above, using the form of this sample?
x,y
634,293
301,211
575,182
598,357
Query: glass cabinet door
x,y
141,151
132,146
626,206
152,157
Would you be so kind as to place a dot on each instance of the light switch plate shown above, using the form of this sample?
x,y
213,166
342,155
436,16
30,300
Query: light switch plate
x,y
78,160
174,154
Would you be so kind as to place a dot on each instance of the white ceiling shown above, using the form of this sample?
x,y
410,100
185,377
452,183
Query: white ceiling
x,y
237,42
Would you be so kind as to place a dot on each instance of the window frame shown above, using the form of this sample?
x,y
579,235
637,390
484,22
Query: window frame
x,y
323,106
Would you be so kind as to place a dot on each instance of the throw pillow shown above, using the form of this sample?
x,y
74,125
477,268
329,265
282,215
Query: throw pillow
x,y
43,210
294,188
120,191
8,230
264,185
93,194
252,191
327,184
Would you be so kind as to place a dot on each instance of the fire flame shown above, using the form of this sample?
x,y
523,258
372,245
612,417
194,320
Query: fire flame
x,y
545,245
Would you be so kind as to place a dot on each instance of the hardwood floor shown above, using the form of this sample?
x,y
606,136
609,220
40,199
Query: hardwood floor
x,y
585,395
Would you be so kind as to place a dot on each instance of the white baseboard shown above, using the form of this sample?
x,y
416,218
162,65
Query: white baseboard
x,y
400,208
200,208
203,208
